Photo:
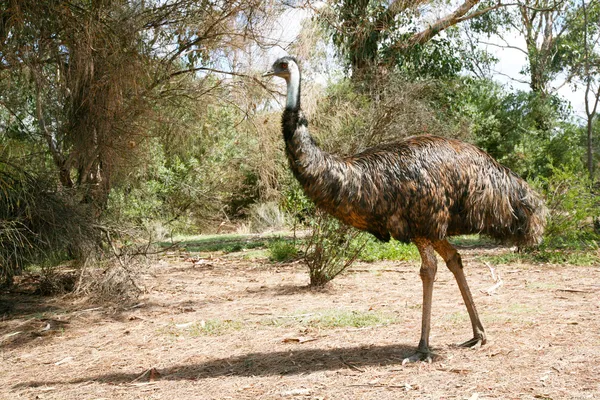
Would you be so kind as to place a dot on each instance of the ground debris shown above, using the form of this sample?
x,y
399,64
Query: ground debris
x,y
299,339
296,392
64,360
147,376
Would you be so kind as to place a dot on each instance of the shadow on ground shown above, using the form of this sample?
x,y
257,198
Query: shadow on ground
x,y
259,364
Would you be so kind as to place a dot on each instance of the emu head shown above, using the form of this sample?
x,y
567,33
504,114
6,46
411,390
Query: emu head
x,y
283,68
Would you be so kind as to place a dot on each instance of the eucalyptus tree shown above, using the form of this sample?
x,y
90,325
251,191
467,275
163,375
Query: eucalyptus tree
x,y
373,35
586,67
559,41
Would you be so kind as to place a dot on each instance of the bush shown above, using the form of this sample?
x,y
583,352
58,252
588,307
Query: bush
x,y
39,225
573,209
267,216
331,247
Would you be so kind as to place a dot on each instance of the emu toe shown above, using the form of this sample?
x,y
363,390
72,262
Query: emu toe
x,y
474,343
418,356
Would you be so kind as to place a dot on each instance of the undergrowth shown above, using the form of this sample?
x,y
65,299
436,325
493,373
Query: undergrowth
x,y
393,250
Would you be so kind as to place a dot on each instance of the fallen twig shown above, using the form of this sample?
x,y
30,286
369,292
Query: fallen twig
x,y
496,277
9,335
406,386
492,271
151,375
351,366
86,310
576,290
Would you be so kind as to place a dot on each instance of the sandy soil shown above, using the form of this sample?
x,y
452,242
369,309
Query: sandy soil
x,y
229,328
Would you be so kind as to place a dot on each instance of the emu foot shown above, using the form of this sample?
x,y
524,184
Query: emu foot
x,y
474,343
425,356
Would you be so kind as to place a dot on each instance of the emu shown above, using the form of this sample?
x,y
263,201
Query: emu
x,y
421,190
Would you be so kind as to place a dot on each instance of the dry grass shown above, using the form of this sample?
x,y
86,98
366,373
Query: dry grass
x,y
228,328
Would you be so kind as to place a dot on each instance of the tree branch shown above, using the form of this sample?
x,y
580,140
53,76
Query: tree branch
x,y
438,26
506,46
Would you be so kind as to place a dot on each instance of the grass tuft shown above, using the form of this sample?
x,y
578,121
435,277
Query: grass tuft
x,y
282,250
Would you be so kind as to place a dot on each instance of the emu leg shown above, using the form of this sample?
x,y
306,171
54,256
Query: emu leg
x,y
454,263
427,273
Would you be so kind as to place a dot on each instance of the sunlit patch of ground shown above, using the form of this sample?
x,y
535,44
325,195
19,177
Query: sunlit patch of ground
x,y
233,327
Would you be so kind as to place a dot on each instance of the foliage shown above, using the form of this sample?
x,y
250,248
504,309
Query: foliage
x,y
440,58
347,121
375,250
574,209
373,36
39,225
296,204
122,118
506,125
330,248
282,250
267,216
546,255
88,78
189,183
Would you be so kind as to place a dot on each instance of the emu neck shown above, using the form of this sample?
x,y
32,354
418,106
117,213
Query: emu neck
x,y
325,178
293,92
305,157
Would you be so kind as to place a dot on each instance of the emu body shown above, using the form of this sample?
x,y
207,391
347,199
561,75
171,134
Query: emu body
x,y
420,190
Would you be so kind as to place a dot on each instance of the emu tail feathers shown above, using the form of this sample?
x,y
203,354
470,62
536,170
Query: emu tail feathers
x,y
528,211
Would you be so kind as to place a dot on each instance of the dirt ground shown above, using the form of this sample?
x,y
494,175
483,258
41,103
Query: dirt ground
x,y
229,328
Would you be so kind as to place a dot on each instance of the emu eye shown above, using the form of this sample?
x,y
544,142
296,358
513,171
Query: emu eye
x,y
284,66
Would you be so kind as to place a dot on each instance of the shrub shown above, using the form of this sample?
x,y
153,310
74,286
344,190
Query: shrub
x,y
331,247
39,225
573,209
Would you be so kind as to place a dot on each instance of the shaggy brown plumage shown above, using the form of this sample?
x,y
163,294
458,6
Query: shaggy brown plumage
x,y
422,189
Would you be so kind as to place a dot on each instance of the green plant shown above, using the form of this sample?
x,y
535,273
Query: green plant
x,y
573,208
39,225
330,248
375,250
214,327
347,318
209,327
582,257
282,250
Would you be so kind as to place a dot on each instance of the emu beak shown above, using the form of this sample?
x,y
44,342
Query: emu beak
x,y
268,73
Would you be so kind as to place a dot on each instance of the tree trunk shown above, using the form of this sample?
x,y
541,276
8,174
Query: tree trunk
x,y
590,148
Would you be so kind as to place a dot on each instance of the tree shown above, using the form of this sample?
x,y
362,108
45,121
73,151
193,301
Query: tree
x,y
87,90
372,33
94,72
589,72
